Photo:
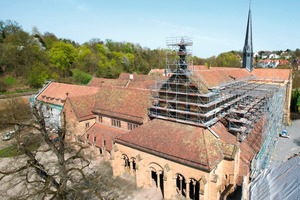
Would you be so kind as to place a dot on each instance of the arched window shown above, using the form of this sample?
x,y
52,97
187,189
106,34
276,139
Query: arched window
x,y
180,185
194,189
126,163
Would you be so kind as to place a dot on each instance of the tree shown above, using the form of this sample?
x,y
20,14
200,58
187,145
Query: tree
x,y
56,170
7,28
295,100
228,59
198,61
38,74
81,77
62,56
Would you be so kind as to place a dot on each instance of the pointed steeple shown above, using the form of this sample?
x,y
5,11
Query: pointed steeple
x,y
248,47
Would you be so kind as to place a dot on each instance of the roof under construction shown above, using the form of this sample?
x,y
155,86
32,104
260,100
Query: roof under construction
x,y
235,96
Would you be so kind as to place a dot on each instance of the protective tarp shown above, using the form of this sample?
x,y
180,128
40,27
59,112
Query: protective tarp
x,y
282,182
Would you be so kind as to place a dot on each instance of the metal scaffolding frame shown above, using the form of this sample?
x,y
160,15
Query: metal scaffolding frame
x,y
273,124
185,98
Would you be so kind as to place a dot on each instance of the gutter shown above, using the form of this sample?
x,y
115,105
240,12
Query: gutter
x,y
42,90
214,133
168,157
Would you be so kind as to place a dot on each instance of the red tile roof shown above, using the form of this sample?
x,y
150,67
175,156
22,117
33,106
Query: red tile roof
x,y
220,75
228,141
99,82
222,132
181,143
249,147
217,75
83,106
198,67
123,103
56,93
276,74
103,133
141,84
138,77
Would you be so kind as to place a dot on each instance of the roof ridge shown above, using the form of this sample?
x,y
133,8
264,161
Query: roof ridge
x,y
72,108
205,147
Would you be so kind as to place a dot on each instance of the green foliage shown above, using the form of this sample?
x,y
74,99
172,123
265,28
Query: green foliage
x,y
295,101
228,59
10,151
38,74
62,56
198,61
80,76
9,81
21,54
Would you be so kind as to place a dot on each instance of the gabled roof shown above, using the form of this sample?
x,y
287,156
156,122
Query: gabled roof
x,y
82,106
99,82
123,103
181,143
103,133
276,74
249,147
57,93
218,75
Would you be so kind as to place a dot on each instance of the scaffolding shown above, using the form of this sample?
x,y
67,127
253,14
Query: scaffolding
x,y
248,105
179,53
273,124
184,97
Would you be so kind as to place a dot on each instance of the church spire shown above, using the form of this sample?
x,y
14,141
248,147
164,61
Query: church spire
x,y
248,47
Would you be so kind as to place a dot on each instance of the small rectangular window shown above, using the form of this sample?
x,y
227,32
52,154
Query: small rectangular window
x,y
116,123
132,126
87,125
100,119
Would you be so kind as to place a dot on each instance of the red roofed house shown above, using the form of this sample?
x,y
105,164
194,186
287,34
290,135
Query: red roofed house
x,y
54,95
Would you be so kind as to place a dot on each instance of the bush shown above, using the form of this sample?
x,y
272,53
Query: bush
x,y
80,76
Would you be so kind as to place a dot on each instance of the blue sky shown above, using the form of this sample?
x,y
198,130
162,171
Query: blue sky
x,y
215,26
